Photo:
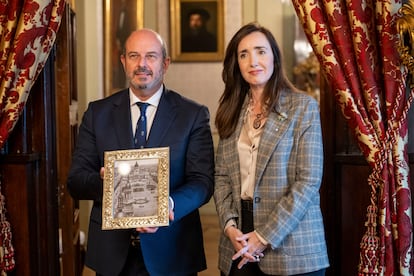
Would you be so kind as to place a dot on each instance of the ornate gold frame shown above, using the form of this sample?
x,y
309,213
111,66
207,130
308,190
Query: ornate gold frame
x,y
136,188
177,7
114,77
405,26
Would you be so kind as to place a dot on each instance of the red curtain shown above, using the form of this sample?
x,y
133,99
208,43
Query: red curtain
x,y
356,44
27,34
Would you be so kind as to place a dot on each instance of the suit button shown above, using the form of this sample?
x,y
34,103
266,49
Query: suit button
x,y
257,200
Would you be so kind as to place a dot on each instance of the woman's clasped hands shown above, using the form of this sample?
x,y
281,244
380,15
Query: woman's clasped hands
x,y
248,246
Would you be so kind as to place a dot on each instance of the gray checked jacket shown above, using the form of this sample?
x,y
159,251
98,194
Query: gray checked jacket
x,y
286,206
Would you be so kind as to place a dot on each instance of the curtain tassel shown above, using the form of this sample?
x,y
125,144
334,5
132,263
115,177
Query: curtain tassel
x,y
7,262
369,254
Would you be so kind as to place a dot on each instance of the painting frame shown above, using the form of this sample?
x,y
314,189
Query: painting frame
x,y
180,11
120,18
136,188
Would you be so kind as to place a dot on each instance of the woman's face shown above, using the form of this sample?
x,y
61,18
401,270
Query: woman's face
x,y
255,58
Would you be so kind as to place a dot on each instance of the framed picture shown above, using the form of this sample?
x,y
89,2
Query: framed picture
x,y
121,18
136,188
197,30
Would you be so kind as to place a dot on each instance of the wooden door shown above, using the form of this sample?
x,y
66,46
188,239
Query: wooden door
x,y
66,132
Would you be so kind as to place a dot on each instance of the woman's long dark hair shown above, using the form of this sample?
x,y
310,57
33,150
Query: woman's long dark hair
x,y
236,88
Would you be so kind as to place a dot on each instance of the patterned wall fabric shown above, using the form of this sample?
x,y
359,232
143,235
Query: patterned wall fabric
x,y
356,44
27,34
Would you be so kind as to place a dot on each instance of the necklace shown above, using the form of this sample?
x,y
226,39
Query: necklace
x,y
257,122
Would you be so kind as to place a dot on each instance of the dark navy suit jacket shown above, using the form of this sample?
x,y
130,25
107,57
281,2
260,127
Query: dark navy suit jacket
x,y
180,124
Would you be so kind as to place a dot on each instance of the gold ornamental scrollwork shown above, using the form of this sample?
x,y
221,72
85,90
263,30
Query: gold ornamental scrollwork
x,y
136,188
405,27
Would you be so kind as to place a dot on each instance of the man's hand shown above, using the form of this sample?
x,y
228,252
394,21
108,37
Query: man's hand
x,y
171,216
101,172
154,229
147,229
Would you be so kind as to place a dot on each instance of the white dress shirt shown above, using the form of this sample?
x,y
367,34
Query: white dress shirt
x,y
151,109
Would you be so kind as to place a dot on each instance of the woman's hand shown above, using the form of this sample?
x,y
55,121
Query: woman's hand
x,y
234,234
252,250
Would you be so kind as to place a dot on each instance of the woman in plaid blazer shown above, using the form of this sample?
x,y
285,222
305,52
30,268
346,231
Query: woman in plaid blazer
x,y
269,165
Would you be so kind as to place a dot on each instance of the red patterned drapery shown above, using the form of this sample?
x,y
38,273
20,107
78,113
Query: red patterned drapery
x,y
27,34
356,44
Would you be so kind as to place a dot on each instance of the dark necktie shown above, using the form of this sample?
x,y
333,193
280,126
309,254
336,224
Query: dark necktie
x,y
140,138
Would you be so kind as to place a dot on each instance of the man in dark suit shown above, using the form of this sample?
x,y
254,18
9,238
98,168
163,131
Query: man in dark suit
x,y
173,121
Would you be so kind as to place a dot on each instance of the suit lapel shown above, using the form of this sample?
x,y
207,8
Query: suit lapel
x,y
122,121
166,113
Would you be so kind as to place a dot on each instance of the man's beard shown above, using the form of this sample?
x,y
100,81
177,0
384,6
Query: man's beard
x,y
139,86
142,70
195,31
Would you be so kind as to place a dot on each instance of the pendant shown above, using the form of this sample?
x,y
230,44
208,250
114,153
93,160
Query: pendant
x,y
257,122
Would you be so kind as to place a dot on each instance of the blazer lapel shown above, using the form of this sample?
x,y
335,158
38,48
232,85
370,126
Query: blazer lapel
x,y
234,160
276,125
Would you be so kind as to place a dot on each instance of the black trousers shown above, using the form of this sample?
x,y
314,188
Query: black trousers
x,y
134,265
260,273
252,269
248,269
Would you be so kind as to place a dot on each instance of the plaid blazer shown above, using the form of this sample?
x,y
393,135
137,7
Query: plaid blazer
x,y
286,196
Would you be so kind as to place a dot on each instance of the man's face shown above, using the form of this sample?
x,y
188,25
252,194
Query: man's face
x,y
196,22
144,64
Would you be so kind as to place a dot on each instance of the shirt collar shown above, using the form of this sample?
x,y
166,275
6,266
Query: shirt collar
x,y
154,100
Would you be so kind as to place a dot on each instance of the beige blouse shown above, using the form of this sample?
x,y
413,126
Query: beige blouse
x,y
247,146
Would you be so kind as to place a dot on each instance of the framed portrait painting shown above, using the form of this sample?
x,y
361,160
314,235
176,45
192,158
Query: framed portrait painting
x,y
136,188
197,30
121,17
